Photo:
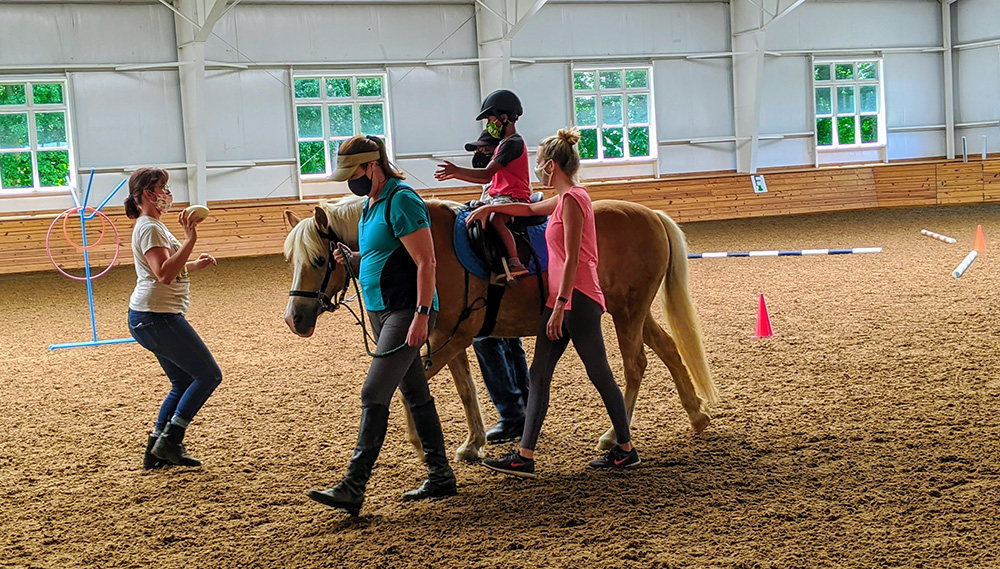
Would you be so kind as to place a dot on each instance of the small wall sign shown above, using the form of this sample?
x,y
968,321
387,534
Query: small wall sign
x,y
759,186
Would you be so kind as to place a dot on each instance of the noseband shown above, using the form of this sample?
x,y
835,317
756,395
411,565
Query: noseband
x,y
327,303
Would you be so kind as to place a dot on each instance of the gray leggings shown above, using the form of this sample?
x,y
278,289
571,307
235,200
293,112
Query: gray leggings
x,y
402,368
583,326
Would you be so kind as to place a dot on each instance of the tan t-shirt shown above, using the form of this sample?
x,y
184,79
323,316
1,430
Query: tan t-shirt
x,y
150,295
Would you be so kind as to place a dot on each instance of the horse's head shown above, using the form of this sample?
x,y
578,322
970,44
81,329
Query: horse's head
x,y
318,282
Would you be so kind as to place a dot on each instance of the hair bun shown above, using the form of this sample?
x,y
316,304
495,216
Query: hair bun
x,y
569,135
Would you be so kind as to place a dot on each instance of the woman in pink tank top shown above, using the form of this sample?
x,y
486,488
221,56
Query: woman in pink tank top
x,y
573,308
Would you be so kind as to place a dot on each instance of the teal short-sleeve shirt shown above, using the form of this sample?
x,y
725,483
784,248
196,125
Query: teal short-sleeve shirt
x,y
388,275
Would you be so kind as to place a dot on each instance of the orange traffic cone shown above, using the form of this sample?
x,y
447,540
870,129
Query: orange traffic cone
x,y
980,242
763,321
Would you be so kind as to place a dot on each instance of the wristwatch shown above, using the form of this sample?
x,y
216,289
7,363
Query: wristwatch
x,y
421,309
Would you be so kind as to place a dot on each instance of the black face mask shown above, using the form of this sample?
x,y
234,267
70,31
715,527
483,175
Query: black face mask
x,y
360,186
481,160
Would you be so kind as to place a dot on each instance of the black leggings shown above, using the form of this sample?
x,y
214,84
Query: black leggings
x,y
402,368
583,326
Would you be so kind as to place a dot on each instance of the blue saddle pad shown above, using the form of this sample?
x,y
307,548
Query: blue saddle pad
x,y
475,265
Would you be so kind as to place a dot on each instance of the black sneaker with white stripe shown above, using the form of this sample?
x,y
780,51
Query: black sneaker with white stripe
x,y
617,458
512,463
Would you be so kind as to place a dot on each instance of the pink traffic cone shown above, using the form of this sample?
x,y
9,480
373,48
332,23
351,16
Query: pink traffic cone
x,y
763,320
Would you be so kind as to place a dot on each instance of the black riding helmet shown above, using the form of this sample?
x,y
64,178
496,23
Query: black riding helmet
x,y
502,102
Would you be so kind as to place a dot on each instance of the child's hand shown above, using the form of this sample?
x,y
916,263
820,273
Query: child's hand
x,y
445,171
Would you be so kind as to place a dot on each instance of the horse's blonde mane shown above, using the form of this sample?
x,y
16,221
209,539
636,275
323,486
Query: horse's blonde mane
x,y
304,242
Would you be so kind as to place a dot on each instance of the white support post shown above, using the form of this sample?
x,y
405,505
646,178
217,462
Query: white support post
x,y
748,68
194,21
949,81
492,26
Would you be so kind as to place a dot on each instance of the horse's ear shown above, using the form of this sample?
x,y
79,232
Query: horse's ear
x,y
322,222
291,218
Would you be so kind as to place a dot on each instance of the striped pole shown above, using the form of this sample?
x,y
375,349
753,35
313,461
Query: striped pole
x,y
960,269
937,236
798,253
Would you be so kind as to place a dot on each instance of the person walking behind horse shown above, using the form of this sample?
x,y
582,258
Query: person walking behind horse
x,y
507,173
396,269
573,308
501,360
156,314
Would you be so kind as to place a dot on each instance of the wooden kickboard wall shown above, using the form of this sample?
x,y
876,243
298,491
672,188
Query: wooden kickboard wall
x,y
237,229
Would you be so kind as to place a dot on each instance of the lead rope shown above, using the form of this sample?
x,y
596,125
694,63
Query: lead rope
x,y
361,320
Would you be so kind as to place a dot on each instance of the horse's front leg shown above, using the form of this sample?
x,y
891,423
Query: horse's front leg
x,y
472,450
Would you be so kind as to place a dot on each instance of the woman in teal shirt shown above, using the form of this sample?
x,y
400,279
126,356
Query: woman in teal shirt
x,y
396,268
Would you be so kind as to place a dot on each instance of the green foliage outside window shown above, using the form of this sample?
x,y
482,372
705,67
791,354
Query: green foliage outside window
x,y
312,158
307,88
12,95
586,111
822,72
583,80
844,71
611,79
869,128
588,144
50,129
636,78
53,168
613,138
824,131
338,87
372,119
824,104
14,131
47,93
310,122
845,130
15,170
638,141
369,86
867,70
341,120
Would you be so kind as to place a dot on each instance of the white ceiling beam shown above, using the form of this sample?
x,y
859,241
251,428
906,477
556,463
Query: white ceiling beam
x,y
784,12
214,15
522,19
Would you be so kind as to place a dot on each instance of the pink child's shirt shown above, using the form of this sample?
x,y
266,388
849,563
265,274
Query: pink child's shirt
x,y
586,280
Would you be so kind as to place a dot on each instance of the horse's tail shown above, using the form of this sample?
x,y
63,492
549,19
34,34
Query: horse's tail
x,y
684,324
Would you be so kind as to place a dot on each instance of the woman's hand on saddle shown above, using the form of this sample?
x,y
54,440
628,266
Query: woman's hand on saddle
x,y
339,256
479,214
417,334
445,171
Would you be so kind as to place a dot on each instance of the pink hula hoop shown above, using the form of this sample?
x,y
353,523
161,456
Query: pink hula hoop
x,y
104,219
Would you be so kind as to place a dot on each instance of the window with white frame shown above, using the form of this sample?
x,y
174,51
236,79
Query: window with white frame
x,y
613,112
330,109
848,103
34,140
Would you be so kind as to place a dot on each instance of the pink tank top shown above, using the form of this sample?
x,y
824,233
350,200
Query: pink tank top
x,y
586,273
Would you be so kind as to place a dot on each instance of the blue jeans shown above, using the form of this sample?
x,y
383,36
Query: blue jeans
x,y
185,359
505,373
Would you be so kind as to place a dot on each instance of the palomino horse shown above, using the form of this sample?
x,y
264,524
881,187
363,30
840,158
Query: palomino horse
x,y
640,251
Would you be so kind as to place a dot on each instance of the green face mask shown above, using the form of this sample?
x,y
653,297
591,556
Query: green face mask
x,y
494,129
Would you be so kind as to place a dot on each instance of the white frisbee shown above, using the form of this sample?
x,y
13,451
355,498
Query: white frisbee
x,y
197,212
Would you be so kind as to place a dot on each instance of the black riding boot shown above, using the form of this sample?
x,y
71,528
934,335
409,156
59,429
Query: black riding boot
x,y
170,447
150,462
440,481
349,493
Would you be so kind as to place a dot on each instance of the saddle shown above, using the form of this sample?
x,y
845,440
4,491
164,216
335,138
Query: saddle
x,y
485,242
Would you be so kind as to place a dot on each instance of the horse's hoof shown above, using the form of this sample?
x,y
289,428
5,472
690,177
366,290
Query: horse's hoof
x,y
470,453
604,444
700,422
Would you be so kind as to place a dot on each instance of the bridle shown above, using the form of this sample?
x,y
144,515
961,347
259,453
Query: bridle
x,y
328,303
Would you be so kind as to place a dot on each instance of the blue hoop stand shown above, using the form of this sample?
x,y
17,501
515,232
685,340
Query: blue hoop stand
x,y
86,263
